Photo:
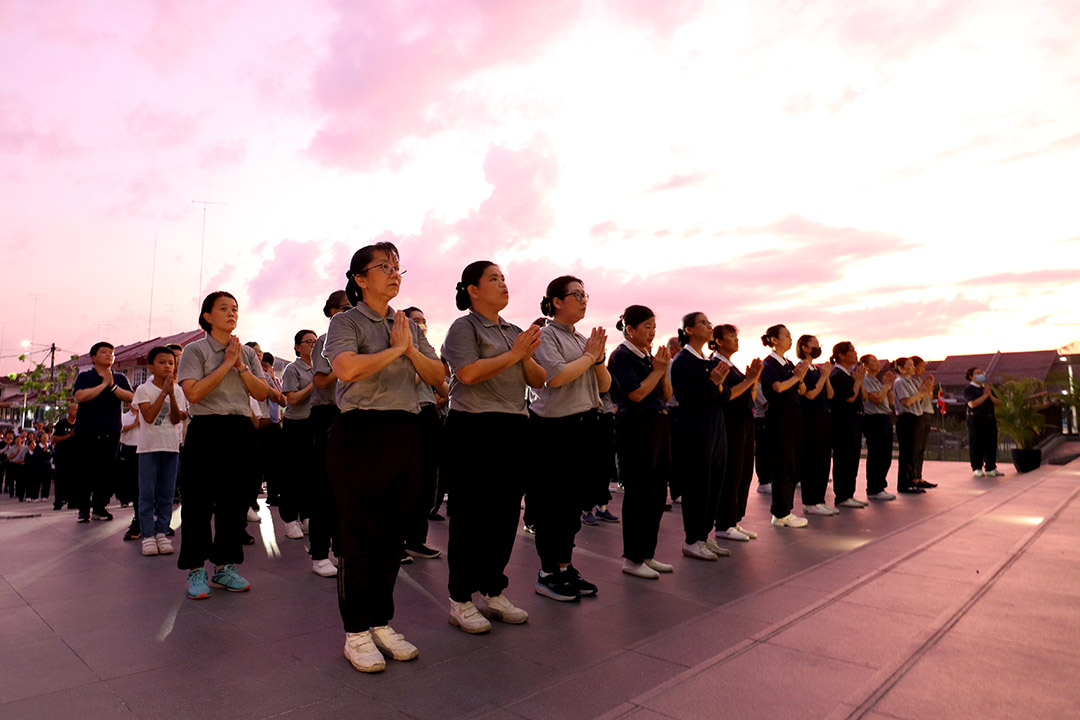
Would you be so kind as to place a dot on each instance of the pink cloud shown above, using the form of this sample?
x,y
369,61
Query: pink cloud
x,y
898,321
161,129
395,68
224,154
893,31
1065,144
21,133
1035,279
676,182
289,274
663,17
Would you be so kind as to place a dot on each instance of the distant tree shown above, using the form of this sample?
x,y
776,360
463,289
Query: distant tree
x,y
49,393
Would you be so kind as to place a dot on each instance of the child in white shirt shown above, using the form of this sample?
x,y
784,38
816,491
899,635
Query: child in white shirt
x,y
158,450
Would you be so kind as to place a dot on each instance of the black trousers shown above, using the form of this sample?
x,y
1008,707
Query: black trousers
x,y
299,445
560,482
65,469
217,456
596,492
878,431
905,437
430,434
271,462
739,468
643,445
816,452
376,474
127,475
846,447
699,457
783,425
762,459
982,442
487,458
323,528
97,458
922,436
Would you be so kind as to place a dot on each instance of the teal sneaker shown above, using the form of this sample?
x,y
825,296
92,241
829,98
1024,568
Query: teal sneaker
x,y
228,578
197,589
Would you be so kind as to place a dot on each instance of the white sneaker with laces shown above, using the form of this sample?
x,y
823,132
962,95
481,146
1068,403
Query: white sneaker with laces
x,y
361,652
324,568
698,550
980,473
716,549
789,520
748,533
850,503
821,509
660,567
293,531
468,618
253,516
732,534
994,473
502,609
883,495
393,643
640,570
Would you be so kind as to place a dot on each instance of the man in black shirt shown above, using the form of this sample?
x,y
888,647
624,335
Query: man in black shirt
x,y
64,456
101,396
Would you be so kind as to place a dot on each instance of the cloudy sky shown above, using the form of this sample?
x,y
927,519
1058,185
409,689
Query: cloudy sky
x,y
903,175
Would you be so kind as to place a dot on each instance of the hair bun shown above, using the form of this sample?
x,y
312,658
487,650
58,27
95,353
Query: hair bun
x,y
620,325
547,307
765,341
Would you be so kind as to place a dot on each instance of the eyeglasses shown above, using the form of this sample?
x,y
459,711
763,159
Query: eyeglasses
x,y
579,295
704,320
308,342
387,269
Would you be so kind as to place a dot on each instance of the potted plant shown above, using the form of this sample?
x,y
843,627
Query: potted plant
x,y
1019,416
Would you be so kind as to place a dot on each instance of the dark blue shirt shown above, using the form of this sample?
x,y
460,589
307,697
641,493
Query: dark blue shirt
x,y
628,371
775,371
102,414
844,387
984,411
819,403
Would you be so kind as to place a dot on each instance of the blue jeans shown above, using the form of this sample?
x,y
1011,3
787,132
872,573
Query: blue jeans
x,y
157,483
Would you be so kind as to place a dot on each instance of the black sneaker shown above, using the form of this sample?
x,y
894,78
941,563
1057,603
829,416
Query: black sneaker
x,y
583,586
83,519
435,516
102,516
422,551
132,534
911,490
170,532
924,484
557,587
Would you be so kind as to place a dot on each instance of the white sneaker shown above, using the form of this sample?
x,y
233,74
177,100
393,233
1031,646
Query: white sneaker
x,y
994,473
850,503
393,643
765,488
698,550
883,495
748,533
789,520
980,473
253,516
820,509
293,530
640,570
660,567
305,524
325,568
361,651
468,618
732,534
164,544
149,546
716,549
502,609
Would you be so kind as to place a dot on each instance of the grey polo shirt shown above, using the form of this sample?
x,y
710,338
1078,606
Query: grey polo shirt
x,y
328,395
926,405
473,337
362,330
562,344
230,397
872,385
297,376
904,388
425,394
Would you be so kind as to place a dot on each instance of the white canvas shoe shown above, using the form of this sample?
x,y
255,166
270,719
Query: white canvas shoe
x,y
790,520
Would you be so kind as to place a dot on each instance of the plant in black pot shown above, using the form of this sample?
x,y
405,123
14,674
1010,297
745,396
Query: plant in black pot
x,y
1020,417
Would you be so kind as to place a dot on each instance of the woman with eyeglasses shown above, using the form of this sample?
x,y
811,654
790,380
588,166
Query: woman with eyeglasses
x,y
376,354
698,435
640,388
739,423
323,528
847,412
487,442
297,384
783,384
564,422
815,420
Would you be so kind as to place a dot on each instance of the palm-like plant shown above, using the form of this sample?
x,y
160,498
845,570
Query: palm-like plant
x,y
1019,416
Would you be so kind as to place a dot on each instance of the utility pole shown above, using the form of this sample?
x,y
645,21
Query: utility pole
x,y
33,327
52,362
202,246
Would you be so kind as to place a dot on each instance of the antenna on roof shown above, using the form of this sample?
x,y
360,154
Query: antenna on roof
x,y
202,246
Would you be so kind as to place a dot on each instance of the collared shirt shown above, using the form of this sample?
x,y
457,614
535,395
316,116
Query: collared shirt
x,y
328,394
973,392
926,405
818,403
473,337
561,344
269,408
230,397
777,369
363,331
297,376
843,383
873,385
724,359
629,367
905,387
779,358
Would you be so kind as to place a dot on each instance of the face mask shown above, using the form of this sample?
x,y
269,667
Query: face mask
x,y
815,353
981,377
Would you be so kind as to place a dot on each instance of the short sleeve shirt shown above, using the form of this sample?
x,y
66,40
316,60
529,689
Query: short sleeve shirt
x,y
985,411
873,385
904,387
776,371
102,414
230,397
130,437
328,394
629,367
64,447
363,331
818,403
159,435
297,376
473,337
561,344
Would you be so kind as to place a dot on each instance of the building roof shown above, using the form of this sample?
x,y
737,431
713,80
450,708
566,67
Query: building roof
x,y
135,353
999,366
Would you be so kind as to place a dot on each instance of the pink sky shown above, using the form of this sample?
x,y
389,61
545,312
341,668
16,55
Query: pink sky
x,y
902,175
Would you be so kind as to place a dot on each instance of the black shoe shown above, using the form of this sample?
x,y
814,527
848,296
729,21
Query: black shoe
x,y
83,519
557,586
583,586
102,516
170,532
435,516
925,485
911,490
406,559
132,534
422,551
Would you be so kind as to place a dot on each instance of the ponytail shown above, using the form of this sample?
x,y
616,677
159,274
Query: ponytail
x,y
840,348
769,338
684,337
469,276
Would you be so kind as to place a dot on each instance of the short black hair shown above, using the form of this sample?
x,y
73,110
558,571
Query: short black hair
x,y
299,337
98,345
471,275
208,306
268,358
155,351
175,347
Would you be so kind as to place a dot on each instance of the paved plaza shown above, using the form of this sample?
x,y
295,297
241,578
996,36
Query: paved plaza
x,y
960,603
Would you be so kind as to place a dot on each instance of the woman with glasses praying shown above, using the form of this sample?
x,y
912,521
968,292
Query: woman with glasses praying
x,y
486,438
376,353
564,420
297,384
